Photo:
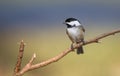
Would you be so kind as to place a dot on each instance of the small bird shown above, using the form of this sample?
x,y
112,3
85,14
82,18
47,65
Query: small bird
x,y
75,32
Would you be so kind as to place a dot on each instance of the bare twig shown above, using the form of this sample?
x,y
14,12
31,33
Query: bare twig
x,y
19,59
29,66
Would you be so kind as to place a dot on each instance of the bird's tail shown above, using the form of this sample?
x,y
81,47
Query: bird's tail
x,y
80,50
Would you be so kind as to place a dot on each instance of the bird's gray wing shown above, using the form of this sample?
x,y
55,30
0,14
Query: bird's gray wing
x,y
83,29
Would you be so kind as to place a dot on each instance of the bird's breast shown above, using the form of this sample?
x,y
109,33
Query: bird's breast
x,y
74,31
75,34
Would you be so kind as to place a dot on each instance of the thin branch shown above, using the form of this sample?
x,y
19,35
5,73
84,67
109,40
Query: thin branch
x,y
96,39
29,66
32,59
19,59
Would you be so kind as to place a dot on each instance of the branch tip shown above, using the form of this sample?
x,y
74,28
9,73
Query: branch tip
x,y
32,58
34,55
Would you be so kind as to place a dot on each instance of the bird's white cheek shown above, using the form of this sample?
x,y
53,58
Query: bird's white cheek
x,y
76,23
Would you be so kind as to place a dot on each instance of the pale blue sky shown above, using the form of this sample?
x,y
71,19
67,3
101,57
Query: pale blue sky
x,y
56,11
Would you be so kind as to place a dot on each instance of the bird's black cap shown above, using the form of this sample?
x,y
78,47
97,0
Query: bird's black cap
x,y
70,19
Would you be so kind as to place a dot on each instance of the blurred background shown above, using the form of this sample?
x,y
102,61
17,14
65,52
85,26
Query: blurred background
x,y
40,24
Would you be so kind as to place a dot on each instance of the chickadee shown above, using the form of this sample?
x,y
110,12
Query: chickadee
x,y
75,32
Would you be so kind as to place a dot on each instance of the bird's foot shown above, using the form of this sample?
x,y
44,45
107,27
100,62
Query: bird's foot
x,y
72,46
83,42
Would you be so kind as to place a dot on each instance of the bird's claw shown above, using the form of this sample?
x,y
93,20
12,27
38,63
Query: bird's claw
x,y
72,47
